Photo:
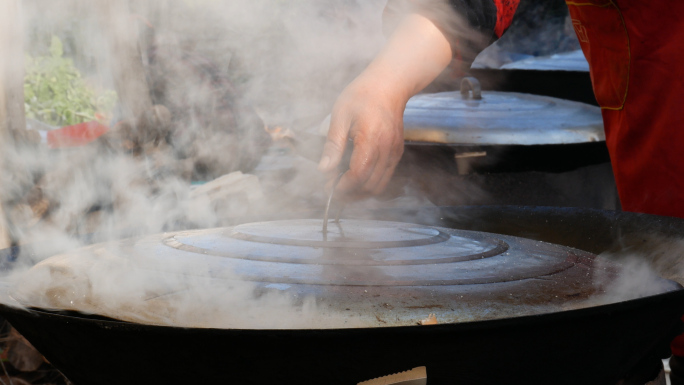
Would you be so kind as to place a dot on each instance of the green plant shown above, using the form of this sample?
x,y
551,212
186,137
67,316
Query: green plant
x,y
55,92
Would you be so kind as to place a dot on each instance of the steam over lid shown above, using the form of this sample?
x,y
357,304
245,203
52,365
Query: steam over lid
x,y
500,118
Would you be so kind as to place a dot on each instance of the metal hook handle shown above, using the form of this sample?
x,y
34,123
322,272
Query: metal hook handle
x,y
468,84
327,207
343,168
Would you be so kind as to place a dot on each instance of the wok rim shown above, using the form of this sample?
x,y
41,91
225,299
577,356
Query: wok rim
x,y
676,295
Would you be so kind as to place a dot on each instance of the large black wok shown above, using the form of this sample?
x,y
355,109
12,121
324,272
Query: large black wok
x,y
599,345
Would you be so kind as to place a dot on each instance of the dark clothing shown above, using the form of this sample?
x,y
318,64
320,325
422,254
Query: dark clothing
x,y
470,25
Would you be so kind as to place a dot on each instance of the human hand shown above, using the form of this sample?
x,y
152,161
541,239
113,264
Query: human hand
x,y
370,110
371,115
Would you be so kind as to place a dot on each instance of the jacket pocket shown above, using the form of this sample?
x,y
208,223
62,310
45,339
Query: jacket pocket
x,y
603,36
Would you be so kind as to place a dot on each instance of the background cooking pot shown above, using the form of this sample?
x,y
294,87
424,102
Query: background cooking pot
x,y
499,147
507,148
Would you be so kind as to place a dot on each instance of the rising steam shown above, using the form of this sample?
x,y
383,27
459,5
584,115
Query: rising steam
x,y
273,63
223,70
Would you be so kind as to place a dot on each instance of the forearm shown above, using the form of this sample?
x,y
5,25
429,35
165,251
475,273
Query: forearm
x,y
469,25
416,53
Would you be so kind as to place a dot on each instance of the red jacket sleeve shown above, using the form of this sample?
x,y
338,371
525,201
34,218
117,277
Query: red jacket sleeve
x,y
505,9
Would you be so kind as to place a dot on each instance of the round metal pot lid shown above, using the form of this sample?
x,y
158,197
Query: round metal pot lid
x,y
566,61
356,253
500,118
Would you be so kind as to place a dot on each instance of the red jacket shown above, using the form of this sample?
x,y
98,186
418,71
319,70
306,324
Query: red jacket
x,y
636,54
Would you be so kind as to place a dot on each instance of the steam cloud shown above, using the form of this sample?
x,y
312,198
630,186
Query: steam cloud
x,y
288,60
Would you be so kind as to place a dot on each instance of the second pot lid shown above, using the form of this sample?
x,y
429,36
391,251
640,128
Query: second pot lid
x,y
566,61
500,118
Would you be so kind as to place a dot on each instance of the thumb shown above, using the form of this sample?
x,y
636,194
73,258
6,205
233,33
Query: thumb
x,y
335,144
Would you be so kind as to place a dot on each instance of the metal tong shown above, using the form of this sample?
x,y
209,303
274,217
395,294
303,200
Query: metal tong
x,y
343,167
310,147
